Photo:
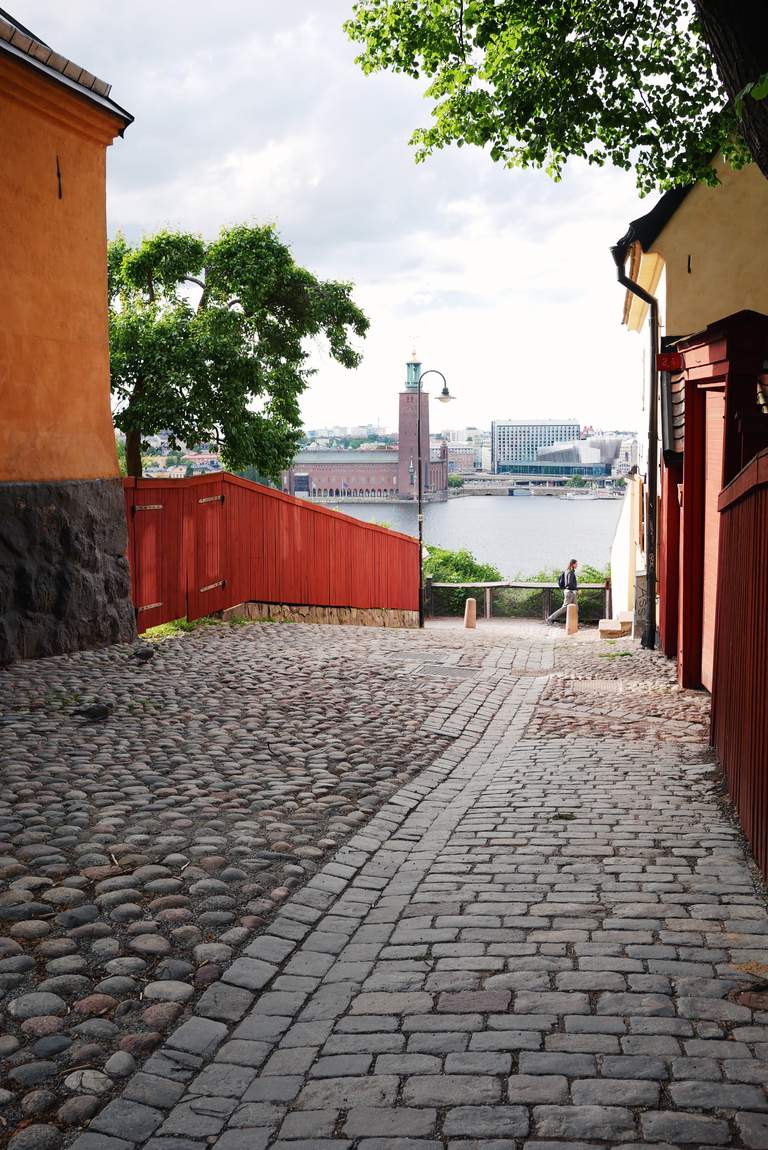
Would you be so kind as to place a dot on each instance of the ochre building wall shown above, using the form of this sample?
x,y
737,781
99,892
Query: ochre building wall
x,y
54,354
709,260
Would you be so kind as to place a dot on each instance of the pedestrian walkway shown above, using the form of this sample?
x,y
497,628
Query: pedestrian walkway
x,y
550,937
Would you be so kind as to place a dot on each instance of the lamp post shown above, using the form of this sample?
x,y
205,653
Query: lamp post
x,y
443,397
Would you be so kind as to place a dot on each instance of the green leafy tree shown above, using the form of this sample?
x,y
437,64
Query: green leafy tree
x,y
456,481
658,85
210,342
576,481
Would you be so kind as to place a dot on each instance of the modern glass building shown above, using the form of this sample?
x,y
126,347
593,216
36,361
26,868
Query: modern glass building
x,y
518,441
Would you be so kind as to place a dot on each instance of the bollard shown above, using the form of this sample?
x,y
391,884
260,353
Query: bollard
x,y
572,619
470,613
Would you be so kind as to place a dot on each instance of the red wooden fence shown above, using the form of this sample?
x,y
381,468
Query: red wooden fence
x,y
204,544
740,684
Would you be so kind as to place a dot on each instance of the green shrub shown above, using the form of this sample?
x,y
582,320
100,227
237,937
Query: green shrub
x,y
507,602
457,567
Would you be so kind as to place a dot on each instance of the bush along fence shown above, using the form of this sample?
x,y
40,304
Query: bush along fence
x,y
205,545
516,599
455,576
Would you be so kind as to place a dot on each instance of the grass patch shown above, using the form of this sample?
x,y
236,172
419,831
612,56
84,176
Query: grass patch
x,y
180,627
185,626
615,655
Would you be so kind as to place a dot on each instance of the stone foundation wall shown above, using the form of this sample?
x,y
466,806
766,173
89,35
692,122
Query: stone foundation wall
x,y
353,616
64,577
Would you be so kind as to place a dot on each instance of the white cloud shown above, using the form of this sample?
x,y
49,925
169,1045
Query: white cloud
x,y
256,111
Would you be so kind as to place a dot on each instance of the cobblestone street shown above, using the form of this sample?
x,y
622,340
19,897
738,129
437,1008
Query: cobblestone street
x,y
547,933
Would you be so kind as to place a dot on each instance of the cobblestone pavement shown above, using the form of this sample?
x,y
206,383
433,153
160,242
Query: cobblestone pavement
x,y
139,855
548,937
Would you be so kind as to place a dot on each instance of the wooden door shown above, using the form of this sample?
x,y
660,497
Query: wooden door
x,y
157,577
713,482
206,549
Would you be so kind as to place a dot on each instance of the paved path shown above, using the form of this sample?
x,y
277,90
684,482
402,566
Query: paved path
x,y
550,937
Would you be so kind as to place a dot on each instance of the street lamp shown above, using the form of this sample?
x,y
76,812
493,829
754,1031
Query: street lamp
x,y
444,397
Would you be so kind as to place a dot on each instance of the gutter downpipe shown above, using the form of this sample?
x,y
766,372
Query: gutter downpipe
x,y
619,252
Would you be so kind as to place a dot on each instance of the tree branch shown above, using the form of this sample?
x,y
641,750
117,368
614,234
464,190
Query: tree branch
x,y
461,30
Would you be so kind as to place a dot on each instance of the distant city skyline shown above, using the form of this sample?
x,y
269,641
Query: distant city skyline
x,y
355,431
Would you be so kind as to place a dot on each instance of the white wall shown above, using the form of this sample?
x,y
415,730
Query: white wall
x,y
626,558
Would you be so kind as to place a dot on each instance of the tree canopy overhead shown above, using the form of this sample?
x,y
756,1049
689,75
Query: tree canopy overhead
x,y
210,341
658,85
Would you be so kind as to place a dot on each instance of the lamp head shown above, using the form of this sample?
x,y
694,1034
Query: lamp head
x,y
445,396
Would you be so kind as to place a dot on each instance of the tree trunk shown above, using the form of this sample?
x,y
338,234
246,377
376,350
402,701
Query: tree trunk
x,y
133,453
737,34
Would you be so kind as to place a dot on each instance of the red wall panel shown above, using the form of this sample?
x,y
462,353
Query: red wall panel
x,y
211,543
740,676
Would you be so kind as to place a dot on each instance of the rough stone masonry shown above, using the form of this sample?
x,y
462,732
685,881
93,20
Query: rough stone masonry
x,y
549,937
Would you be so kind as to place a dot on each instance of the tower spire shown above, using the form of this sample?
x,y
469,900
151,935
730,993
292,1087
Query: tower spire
x,y
413,369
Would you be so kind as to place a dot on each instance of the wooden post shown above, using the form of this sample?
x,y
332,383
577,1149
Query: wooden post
x,y
487,602
571,619
547,602
470,614
608,604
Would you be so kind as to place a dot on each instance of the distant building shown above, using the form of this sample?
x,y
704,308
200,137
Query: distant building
x,y
461,457
627,456
596,449
519,441
376,474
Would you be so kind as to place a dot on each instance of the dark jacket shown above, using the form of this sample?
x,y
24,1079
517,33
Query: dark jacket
x,y
570,580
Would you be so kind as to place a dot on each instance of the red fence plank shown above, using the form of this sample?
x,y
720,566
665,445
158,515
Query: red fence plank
x,y
208,543
740,683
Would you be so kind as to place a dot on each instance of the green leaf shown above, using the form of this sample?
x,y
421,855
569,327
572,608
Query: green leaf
x,y
760,88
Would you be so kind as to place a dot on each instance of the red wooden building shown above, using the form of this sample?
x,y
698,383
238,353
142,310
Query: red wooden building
x,y
699,255
714,421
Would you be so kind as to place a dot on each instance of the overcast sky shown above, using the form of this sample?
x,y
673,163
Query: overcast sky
x,y
255,111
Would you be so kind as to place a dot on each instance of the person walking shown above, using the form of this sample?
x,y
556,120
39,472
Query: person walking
x,y
568,584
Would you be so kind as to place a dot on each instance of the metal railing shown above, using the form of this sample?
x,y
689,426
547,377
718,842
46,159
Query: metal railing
x,y
489,587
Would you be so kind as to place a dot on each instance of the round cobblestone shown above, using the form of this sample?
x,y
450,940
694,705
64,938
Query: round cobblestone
x,y
151,857
37,1137
36,1005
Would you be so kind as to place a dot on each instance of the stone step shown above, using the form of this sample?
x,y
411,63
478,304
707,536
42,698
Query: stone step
x,y
611,629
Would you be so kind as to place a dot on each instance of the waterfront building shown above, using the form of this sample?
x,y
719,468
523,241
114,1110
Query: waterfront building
x,y
519,441
461,457
389,473
617,450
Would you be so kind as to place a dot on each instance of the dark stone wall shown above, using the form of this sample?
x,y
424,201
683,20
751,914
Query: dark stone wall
x,y
64,578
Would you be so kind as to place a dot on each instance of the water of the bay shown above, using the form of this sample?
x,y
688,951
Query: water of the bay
x,y
519,536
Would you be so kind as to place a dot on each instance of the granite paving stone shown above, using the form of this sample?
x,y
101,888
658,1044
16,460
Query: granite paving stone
x,y
307,906
175,831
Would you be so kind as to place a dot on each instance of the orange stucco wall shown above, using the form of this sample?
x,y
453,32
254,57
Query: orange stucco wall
x,y
55,421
